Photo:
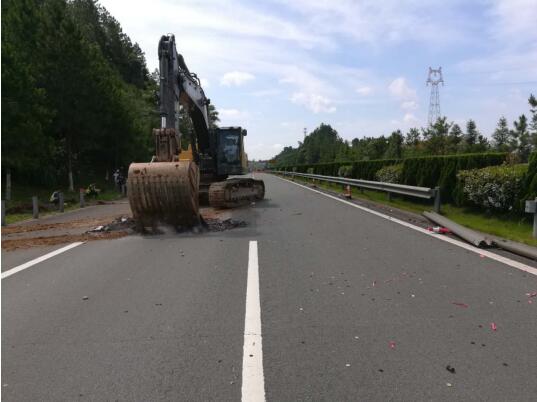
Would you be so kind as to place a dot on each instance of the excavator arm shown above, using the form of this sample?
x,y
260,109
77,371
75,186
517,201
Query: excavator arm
x,y
179,88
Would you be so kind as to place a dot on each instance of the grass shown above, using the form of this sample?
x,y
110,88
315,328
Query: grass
x,y
19,208
510,227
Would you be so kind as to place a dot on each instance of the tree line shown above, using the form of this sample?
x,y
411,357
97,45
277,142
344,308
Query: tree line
x,y
77,97
324,145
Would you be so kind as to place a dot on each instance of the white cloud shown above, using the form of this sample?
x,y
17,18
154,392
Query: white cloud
x,y
236,78
364,91
205,83
514,21
410,119
409,105
315,102
401,90
277,146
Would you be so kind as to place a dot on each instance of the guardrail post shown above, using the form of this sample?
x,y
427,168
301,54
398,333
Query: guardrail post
x,y
35,207
60,201
82,200
123,190
437,200
531,207
8,185
3,213
389,196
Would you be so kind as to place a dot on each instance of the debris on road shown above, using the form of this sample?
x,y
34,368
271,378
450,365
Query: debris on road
x,y
493,326
450,369
463,305
438,229
85,298
392,345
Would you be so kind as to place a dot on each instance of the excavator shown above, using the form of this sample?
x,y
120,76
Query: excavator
x,y
170,187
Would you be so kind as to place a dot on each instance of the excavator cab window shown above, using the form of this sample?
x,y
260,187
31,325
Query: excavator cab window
x,y
229,150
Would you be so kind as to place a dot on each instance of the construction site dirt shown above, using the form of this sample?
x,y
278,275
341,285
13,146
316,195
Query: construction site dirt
x,y
101,225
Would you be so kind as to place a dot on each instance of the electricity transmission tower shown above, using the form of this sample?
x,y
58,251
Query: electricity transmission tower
x,y
434,78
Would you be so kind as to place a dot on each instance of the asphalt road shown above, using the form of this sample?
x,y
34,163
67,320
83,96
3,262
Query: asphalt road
x,y
353,308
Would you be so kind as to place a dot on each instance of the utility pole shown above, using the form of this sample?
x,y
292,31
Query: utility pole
x,y
434,78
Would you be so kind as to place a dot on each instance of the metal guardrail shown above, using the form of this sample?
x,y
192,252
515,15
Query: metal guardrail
x,y
390,188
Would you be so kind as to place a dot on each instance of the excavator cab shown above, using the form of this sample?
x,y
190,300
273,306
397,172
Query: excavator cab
x,y
230,151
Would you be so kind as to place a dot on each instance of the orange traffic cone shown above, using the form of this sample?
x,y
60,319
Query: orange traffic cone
x,y
348,193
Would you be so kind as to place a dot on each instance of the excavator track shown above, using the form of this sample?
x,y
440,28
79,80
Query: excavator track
x,y
164,192
235,192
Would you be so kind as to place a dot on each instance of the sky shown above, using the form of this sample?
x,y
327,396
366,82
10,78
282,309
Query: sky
x,y
276,67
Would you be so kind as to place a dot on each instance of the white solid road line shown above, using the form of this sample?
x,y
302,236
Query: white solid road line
x,y
40,259
492,256
253,381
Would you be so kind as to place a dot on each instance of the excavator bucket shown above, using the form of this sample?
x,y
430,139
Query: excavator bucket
x,y
164,192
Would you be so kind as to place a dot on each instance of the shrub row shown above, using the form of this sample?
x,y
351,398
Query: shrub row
x,y
493,187
428,171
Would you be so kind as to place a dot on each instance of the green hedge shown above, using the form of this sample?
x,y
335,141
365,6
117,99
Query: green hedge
x,y
441,171
493,187
364,170
428,171
530,181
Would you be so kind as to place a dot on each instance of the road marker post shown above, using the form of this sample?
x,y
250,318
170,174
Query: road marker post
x,y
437,200
3,213
531,207
60,202
82,200
35,207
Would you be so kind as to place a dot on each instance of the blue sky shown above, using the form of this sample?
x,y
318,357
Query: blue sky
x,y
275,67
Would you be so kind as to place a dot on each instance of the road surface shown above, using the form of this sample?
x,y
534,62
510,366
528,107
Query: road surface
x,y
342,305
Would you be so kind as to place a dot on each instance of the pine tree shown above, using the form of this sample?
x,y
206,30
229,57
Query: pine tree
x,y
471,136
523,136
454,138
533,124
501,135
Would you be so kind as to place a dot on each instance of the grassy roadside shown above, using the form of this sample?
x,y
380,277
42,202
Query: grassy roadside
x,y
506,226
19,208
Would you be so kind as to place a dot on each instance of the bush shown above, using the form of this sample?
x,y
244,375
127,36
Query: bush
x,y
530,181
427,171
345,171
494,187
441,171
390,174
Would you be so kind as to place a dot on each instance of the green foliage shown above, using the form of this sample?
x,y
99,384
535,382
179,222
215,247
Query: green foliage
x,y
76,94
390,173
345,171
432,171
493,187
530,181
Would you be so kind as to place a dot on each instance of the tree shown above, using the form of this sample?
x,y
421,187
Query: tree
x,y
501,135
454,138
533,125
471,136
521,133
213,116
395,146
436,136
413,137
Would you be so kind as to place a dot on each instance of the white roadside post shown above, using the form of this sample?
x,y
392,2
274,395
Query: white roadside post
x,y
35,207
531,207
